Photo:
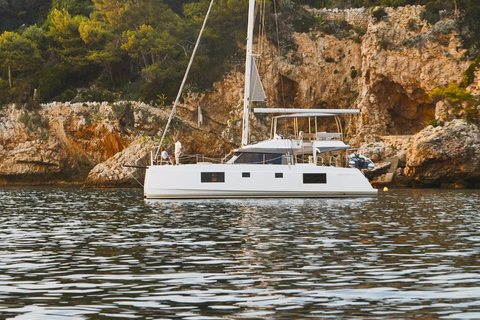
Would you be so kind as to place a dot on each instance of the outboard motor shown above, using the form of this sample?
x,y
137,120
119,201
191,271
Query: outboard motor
x,y
360,162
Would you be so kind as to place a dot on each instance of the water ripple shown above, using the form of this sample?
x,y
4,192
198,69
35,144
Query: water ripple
x,y
77,254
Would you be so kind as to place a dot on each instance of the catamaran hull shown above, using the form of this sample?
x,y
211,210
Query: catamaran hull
x,y
254,181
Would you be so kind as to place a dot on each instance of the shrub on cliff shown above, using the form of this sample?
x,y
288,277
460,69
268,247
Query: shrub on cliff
x,y
469,75
453,93
379,14
34,121
465,104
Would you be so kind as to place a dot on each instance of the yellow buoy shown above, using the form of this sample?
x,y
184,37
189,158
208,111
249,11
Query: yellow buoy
x,y
385,189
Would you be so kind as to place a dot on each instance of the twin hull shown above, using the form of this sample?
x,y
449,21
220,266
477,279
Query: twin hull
x,y
251,180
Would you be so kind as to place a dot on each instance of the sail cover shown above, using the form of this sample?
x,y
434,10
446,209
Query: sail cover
x,y
256,88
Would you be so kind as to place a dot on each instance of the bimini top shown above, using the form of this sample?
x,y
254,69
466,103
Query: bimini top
x,y
273,146
307,112
293,146
304,115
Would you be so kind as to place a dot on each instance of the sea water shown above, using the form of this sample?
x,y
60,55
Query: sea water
x,y
110,254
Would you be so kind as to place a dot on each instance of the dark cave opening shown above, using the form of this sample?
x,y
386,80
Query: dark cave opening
x,y
287,90
405,114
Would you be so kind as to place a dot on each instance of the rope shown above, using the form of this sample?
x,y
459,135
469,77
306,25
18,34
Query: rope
x,y
131,175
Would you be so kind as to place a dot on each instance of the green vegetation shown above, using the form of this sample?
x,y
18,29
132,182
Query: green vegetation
x,y
453,93
137,48
34,121
436,123
465,104
469,75
105,50
379,14
353,74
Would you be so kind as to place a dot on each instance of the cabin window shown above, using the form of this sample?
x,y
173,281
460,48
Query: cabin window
x,y
245,174
278,174
213,177
314,178
259,158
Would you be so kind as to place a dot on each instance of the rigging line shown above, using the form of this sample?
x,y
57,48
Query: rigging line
x,y
279,50
285,126
172,114
264,35
262,28
131,175
259,9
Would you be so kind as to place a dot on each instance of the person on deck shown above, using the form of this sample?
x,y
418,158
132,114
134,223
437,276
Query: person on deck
x,y
165,156
178,151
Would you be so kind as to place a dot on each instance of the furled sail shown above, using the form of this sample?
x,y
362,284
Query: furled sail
x,y
256,89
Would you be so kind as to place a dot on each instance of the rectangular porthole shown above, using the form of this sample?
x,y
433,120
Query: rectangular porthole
x,y
278,175
314,178
245,174
213,177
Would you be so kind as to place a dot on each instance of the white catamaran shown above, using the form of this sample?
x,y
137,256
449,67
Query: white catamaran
x,y
301,165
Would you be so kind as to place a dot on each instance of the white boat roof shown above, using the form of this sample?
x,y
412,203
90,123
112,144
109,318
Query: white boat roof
x,y
311,111
272,146
305,115
294,146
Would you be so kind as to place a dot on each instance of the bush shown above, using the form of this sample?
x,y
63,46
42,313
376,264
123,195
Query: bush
x,y
386,44
353,74
412,24
32,105
124,114
67,95
356,39
51,82
465,103
453,93
94,94
4,92
34,121
419,41
436,123
379,14
340,29
469,75
433,8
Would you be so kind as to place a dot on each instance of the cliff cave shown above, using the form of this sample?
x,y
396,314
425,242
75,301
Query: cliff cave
x,y
405,113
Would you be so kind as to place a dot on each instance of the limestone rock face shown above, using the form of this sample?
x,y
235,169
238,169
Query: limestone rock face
x,y
386,68
61,143
404,58
448,155
124,169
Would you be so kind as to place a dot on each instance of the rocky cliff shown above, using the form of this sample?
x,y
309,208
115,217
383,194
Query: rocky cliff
x,y
60,143
384,64
87,143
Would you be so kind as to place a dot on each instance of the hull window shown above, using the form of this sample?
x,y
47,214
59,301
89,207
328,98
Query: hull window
x,y
279,175
213,177
245,174
314,178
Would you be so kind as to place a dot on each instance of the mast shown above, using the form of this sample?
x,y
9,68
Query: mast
x,y
248,71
